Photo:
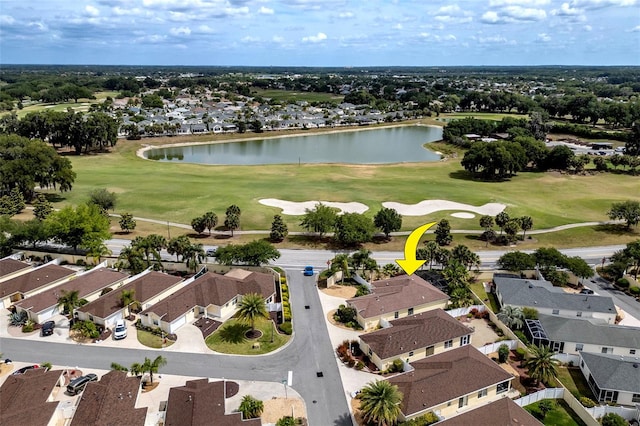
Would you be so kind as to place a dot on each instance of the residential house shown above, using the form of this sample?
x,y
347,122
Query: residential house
x,y
33,282
11,268
502,412
550,300
612,378
415,337
149,287
396,297
201,402
450,383
573,335
27,399
212,295
89,285
110,401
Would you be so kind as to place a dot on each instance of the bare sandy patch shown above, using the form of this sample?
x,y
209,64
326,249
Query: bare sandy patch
x,y
293,208
463,215
426,207
344,292
277,408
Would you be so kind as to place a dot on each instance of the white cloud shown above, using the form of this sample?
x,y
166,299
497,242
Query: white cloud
x,y
278,39
152,39
490,17
315,38
7,20
513,14
544,37
454,8
492,39
205,29
231,11
91,10
589,27
397,27
566,10
181,16
265,11
519,2
250,39
180,31
453,19
346,15
636,29
599,4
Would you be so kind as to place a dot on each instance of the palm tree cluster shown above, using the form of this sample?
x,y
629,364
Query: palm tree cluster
x,y
144,252
380,403
512,316
149,365
542,366
360,260
251,407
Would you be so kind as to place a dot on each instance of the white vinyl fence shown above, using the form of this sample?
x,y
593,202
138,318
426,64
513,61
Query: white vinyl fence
x,y
493,347
461,312
627,413
549,393
567,358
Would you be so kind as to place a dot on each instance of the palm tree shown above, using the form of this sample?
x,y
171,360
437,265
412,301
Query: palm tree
x,y
178,245
252,306
526,223
380,403
118,367
136,369
210,220
250,407
360,257
68,301
153,366
541,366
456,275
511,316
501,219
460,297
127,297
431,249
193,256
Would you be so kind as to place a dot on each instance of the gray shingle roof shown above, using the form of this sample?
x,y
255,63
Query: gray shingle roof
x,y
542,294
590,331
614,372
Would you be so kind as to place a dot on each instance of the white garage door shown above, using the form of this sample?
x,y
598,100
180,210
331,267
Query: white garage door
x,y
178,323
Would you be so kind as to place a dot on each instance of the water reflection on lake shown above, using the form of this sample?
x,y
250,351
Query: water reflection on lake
x,y
370,146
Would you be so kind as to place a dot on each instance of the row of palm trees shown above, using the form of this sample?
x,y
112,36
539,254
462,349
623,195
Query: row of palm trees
x,y
70,300
149,365
144,252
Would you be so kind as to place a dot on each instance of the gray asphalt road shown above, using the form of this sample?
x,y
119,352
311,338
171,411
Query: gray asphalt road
x,y
620,299
309,352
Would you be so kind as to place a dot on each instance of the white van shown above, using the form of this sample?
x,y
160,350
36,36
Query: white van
x,y
120,330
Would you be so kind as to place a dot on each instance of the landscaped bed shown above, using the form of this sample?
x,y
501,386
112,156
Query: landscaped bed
x,y
230,338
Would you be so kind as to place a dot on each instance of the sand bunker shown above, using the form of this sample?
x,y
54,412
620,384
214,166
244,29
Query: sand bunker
x,y
422,208
298,208
430,206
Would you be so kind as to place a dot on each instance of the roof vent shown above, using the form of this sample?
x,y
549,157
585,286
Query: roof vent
x,y
530,285
635,365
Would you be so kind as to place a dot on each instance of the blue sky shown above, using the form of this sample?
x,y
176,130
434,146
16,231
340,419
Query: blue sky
x,y
321,32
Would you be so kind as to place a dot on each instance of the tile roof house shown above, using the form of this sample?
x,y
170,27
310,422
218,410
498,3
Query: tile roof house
x,y
200,403
550,300
89,285
213,295
33,282
10,268
612,378
110,401
451,382
572,335
503,412
149,287
415,337
396,297
35,387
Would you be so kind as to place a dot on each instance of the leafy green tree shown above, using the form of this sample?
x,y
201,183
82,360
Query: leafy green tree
x,y
151,245
86,329
511,229
250,407
251,307
526,223
359,258
233,209
429,253
443,233
136,369
380,403
118,367
320,220
152,366
31,232
279,229
97,249
456,275
503,353
131,257
549,258
578,266
199,224
541,366
193,256
102,198
486,222
388,221
629,257
210,221
613,419
545,406
127,222
79,227
353,229
68,301
232,222
42,207
228,255
516,261
629,211
390,269
512,317
258,252
178,246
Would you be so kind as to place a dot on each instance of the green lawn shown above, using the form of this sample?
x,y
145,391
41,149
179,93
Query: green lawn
x,y
152,340
82,105
479,290
573,379
289,95
561,415
180,192
229,338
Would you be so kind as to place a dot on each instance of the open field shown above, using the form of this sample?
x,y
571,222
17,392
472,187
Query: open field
x,y
82,105
480,115
287,95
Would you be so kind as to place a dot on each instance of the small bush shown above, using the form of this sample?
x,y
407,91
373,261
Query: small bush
x,y
520,335
424,420
286,327
634,290
359,365
622,283
28,327
587,402
521,353
80,262
530,313
503,353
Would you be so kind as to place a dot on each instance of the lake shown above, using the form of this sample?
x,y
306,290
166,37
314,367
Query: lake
x,y
371,146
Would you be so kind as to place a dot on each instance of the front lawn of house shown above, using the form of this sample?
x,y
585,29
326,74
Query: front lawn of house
x,y
230,339
560,415
153,340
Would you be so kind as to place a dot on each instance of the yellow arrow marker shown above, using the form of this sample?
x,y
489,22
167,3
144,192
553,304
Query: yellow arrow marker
x,y
410,263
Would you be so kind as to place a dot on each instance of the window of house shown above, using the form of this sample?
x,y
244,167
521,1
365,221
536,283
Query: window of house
x,y
448,344
462,401
632,351
579,314
411,353
502,387
635,397
464,340
429,351
579,346
370,352
396,315
156,322
410,311
482,393
556,312
582,364
606,350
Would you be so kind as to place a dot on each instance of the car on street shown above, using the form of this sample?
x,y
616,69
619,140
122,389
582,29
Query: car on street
x,y
586,291
120,330
308,271
25,369
211,252
47,328
77,385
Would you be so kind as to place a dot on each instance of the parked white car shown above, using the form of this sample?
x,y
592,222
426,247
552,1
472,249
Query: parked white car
x,y
120,330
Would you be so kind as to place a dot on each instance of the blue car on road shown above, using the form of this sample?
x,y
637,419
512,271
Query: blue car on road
x,y
308,271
